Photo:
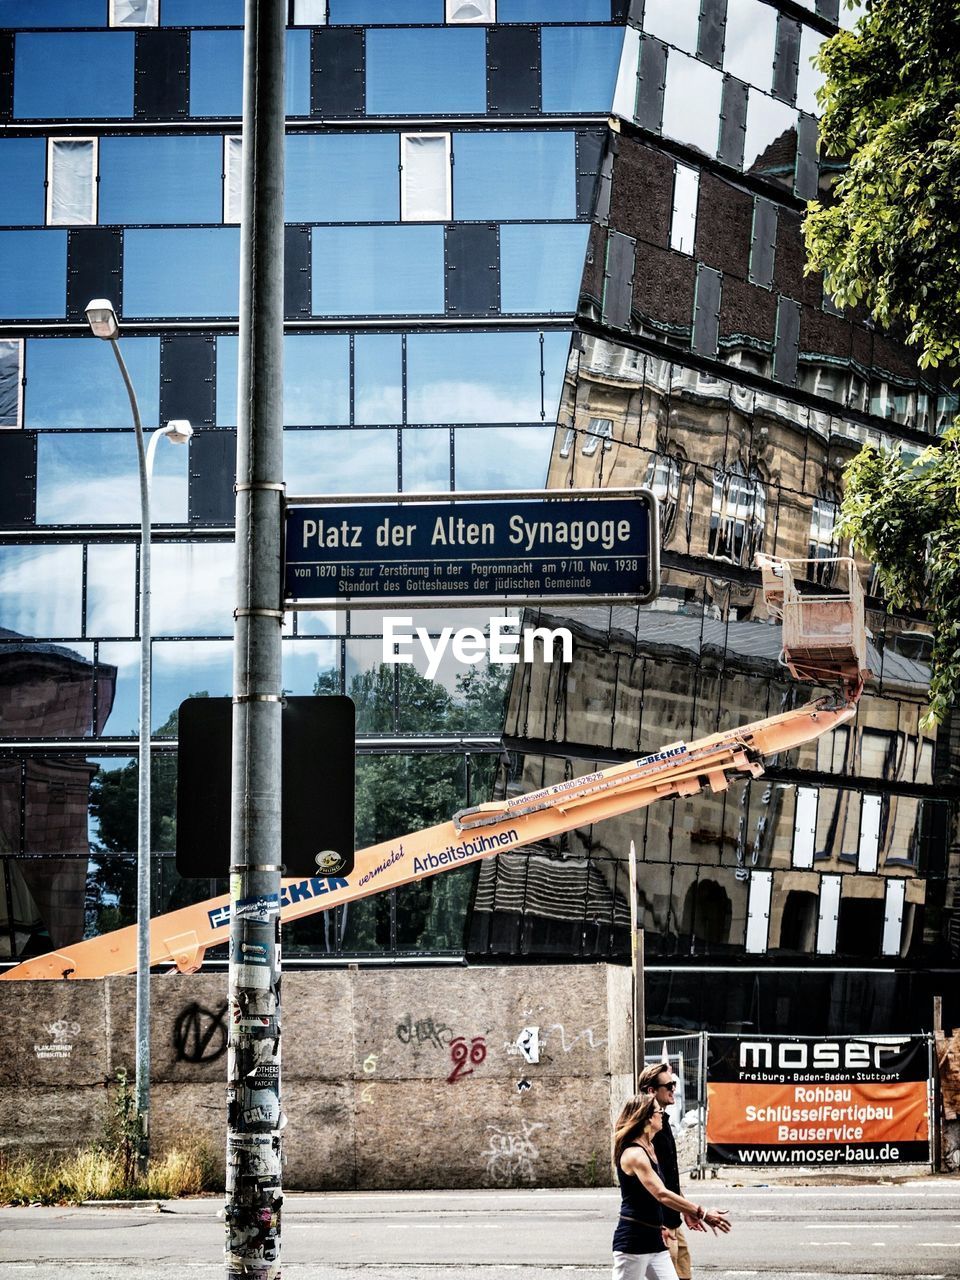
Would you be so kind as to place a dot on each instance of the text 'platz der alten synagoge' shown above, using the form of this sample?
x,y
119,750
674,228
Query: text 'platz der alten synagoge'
x,y
529,244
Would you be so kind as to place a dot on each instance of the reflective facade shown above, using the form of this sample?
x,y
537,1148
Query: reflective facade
x,y
529,243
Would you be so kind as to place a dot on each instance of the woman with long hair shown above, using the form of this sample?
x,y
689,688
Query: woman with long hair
x,y
639,1249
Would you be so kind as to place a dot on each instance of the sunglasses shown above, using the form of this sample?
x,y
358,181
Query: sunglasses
x,y
668,1084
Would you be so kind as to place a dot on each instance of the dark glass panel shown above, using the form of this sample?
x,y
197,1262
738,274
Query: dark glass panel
x,y
18,474
513,71
161,75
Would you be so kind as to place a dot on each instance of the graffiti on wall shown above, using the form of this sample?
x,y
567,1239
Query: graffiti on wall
x,y
58,1039
466,1056
424,1031
511,1156
199,1034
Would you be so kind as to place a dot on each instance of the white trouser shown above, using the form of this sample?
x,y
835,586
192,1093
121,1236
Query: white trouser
x,y
643,1266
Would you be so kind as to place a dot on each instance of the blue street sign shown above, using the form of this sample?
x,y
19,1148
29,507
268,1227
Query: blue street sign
x,y
472,549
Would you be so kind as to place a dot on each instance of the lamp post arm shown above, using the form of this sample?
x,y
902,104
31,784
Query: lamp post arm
x,y
144,859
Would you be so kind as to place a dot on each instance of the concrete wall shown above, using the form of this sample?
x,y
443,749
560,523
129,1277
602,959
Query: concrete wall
x,y
391,1077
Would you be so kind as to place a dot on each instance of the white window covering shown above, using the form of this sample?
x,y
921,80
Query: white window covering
x,y
683,224
232,177
134,13
71,185
869,833
309,13
471,10
805,827
829,911
758,910
893,917
425,177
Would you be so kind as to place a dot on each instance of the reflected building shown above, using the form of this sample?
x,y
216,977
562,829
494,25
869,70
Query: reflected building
x,y
529,243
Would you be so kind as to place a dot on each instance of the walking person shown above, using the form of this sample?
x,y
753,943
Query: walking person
x,y
640,1250
660,1081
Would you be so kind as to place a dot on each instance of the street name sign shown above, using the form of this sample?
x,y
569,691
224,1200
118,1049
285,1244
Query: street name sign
x,y
561,547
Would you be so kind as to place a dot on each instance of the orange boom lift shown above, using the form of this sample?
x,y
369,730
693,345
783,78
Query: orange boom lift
x,y
823,640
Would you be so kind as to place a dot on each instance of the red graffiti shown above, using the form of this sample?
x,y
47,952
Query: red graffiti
x,y
461,1053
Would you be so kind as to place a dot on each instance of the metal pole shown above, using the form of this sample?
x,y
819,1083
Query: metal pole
x,y
253,1185
142,1081
637,975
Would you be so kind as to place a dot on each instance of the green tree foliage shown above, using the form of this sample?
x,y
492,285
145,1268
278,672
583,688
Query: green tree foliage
x,y
887,239
888,235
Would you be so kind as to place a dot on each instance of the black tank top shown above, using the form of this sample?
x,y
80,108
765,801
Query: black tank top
x,y
638,1230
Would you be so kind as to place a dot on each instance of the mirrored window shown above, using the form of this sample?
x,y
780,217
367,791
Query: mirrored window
x,y
425,177
52,698
579,70
162,179
676,24
119,665
51,13
75,382
192,588
357,461
227,347
94,479
426,460
541,267
441,71
11,362
22,173
515,175
378,270
201,13
377,378
556,351
111,589
750,41
316,380
207,279
70,75
342,178
33,274
54,611
501,457
184,668
216,73
134,13
307,662
553,11
371,13
809,80
72,184
473,377
683,223
771,141
691,102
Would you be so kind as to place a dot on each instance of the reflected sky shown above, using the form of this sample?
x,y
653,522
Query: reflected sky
x,y
304,660
75,382
216,73
192,589
377,270
579,67
473,377
501,457
378,378
767,120
23,165
426,460
73,74
750,42
111,589
164,179
677,24
56,609
205,283
94,479
351,461
541,267
342,178
691,102
33,274
519,175
441,71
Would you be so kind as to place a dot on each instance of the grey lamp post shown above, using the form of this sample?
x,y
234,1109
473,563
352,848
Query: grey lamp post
x,y
104,324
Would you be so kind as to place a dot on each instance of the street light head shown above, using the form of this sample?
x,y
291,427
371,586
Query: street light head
x,y
178,431
102,318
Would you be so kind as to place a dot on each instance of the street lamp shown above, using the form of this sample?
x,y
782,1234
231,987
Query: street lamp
x,y
103,323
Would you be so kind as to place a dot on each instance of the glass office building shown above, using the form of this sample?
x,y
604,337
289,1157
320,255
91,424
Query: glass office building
x,y
529,243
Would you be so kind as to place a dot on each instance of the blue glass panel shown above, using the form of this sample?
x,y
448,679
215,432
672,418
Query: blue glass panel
x,y
75,382
216,73
428,71
541,267
340,461
556,352
94,479
201,13
377,378
54,611
371,13
182,668
553,11
426,460
33,274
514,175
111,589
501,457
181,272
192,588
316,380
124,713
473,377
377,270
161,180
580,67
342,178
227,347
23,167
85,74
304,660
53,13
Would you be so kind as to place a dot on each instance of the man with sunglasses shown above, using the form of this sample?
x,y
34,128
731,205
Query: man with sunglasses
x,y
659,1080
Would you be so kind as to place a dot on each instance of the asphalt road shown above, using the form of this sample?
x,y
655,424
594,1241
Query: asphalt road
x,y
781,1232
